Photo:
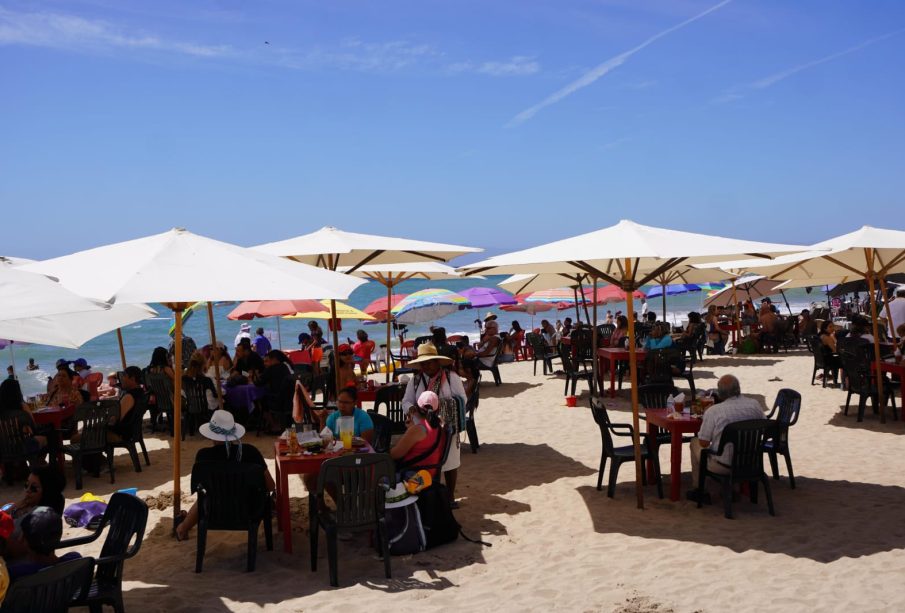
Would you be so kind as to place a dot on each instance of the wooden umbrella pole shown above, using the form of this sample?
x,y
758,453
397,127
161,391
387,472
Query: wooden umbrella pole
x,y
389,359
575,293
869,256
584,303
594,368
177,415
633,370
210,323
734,317
122,349
335,345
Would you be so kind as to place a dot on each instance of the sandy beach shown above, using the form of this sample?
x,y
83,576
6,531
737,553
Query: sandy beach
x,y
836,543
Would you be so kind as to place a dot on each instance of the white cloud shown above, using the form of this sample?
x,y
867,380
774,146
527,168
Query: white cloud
x,y
516,66
592,75
60,31
355,54
737,92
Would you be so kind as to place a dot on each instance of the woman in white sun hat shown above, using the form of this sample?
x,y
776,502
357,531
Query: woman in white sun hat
x,y
228,447
434,376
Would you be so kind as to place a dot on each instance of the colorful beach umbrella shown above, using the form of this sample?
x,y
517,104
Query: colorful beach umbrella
x,y
610,293
379,310
343,311
672,290
553,296
252,309
428,305
484,297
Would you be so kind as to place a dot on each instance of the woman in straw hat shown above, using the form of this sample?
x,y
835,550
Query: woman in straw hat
x,y
228,447
432,376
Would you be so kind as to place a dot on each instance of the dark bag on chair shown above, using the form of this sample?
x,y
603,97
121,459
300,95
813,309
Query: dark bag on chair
x,y
440,527
406,535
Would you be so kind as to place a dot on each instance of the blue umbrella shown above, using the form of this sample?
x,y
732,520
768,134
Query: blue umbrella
x,y
673,290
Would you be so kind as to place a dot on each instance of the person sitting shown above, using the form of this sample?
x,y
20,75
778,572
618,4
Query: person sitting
x,y
44,488
860,329
692,329
345,364
768,326
828,346
550,335
806,324
620,334
363,348
188,348
226,435
749,314
650,317
12,406
420,444
715,334
248,364
733,407
33,544
218,358
658,339
276,380
490,344
512,344
132,404
363,426
160,363
609,317
32,365
261,343
567,327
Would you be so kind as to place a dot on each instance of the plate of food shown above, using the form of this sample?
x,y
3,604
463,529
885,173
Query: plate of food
x,y
358,442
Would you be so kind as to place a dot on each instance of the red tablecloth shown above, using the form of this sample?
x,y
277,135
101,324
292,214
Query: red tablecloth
x,y
656,421
53,416
614,355
296,465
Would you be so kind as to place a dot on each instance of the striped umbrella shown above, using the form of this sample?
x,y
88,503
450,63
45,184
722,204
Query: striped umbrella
x,y
428,305
554,296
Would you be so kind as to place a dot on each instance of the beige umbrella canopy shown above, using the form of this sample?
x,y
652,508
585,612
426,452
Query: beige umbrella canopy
x,y
628,255
351,252
178,268
867,253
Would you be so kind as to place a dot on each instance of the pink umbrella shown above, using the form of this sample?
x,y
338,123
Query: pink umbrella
x,y
252,309
378,308
611,293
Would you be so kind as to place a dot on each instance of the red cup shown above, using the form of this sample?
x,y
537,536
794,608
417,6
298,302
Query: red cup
x,y
571,401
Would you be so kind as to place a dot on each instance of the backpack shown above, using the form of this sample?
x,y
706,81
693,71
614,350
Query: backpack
x,y
440,527
404,529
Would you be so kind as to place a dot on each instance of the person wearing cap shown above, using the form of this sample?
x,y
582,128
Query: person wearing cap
x,y
447,385
421,442
261,343
33,545
226,435
310,353
244,332
490,316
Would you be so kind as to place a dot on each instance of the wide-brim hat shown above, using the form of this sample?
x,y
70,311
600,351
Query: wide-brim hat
x,y
399,497
222,427
426,353
490,316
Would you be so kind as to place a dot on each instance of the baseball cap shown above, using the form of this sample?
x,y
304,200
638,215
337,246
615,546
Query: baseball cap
x,y
429,399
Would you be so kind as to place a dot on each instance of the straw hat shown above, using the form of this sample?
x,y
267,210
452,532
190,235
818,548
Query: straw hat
x,y
426,353
490,316
222,427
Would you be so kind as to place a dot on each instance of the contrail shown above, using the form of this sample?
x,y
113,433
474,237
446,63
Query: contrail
x,y
594,74
785,74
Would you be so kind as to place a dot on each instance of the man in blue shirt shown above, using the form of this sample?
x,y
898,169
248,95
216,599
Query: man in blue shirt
x,y
261,343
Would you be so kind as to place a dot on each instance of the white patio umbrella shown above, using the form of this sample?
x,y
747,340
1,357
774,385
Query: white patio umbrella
x,y
24,294
178,268
629,255
391,275
72,330
869,253
753,287
335,249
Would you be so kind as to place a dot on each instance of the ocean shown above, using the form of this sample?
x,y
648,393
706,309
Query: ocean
x,y
140,339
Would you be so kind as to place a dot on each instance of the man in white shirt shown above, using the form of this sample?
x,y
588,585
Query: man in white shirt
x,y
733,408
897,311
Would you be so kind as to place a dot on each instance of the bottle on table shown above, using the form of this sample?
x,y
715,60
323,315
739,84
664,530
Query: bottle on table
x,y
293,440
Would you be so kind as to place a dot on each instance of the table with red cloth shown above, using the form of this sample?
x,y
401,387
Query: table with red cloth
x,y
54,416
297,465
896,369
613,355
686,424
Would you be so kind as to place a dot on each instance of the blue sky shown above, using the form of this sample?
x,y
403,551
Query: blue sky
x,y
495,124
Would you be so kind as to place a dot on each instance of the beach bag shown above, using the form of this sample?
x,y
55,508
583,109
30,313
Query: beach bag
x,y
87,513
440,526
406,534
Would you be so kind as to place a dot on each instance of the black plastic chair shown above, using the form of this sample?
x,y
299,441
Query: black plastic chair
x,y
135,436
14,446
195,410
471,429
126,516
786,408
747,440
49,590
582,346
821,362
620,455
358,484
391,396
383,431
857,364
493,369
541,352
92,440
574,373
161,387
604,333
232,496
662,365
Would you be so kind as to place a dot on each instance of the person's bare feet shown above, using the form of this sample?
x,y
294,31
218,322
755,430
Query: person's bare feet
x,y
181,530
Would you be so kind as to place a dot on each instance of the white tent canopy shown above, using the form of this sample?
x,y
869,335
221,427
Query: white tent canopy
x,y
331,248
24,294
72,330
178,266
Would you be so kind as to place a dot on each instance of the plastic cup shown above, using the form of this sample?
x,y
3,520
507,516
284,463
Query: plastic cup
x,y
571,401
346,430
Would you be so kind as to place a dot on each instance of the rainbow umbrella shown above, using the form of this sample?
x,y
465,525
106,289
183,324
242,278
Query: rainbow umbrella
x,y
554,296
428,305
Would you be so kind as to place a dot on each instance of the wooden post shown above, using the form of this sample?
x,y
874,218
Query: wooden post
x,y
122,349
633,370
869,256
735,320
177,412
210,322
577,314
886,307
335,345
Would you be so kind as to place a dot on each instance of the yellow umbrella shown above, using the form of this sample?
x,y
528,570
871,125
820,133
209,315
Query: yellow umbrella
x,y
343,311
